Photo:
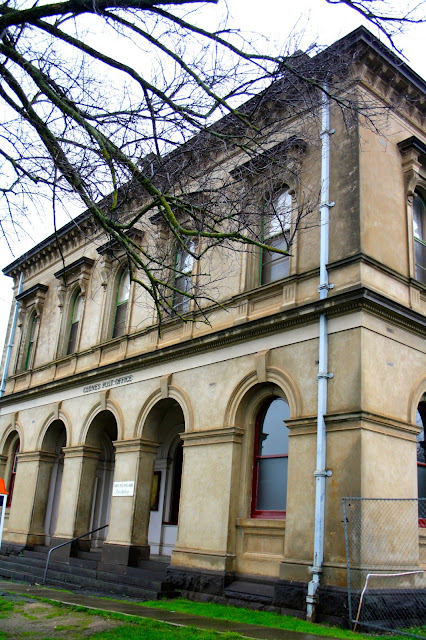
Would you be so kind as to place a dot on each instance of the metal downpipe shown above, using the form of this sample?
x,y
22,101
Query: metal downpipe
x,y
11,339
320,472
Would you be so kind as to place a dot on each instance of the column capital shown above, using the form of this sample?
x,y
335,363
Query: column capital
x,y
81,451
136,445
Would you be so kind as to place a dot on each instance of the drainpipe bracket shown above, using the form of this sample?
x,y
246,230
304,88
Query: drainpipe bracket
x,y
322,375
329,205
322,473
327,132
325,285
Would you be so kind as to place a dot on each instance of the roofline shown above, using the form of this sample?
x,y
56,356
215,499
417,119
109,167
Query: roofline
x,y
361,35
75,222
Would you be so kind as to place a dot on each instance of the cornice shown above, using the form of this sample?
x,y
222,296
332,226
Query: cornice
x,y
350,301
37,288
47,251
78,265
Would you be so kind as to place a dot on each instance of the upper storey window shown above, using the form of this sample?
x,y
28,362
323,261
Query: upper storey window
x,y
30,310
276,223
184,263
419,232
121,304
76,310
29,356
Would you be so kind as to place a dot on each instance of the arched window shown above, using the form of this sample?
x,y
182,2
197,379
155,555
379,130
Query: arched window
x,y
276,223
269,495
13,473
184,263
121,303
29,355
421,459
419,232
77,305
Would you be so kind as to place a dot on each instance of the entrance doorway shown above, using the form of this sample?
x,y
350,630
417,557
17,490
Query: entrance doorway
x,y
167,481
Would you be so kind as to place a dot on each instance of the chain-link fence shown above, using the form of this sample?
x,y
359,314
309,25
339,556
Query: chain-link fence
x,y
386,564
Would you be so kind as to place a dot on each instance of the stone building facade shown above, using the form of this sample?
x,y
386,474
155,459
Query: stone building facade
x,y
199,443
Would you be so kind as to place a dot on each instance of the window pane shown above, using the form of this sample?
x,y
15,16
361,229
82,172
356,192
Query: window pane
x,y
77,309
418,218
421,453
273,434
274,265
420,260
73,338
280,214
421,478
120,320
124,288
272,484
184,260
180,301
30,342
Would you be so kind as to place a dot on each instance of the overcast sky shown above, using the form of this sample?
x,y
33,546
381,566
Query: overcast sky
x,y
316,20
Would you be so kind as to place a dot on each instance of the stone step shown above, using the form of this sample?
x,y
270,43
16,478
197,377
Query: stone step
x,y
77,573
139,580
250,591
90,555
31,578
80,562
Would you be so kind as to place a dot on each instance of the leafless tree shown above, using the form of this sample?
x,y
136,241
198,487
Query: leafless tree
x,y
391,17
139,144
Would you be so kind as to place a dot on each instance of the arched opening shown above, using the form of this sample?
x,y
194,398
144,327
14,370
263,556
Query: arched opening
x,y
166,422
9,463
98,477
53,442
421,458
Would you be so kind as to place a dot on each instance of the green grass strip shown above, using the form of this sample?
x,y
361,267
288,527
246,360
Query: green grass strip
x,y
248,616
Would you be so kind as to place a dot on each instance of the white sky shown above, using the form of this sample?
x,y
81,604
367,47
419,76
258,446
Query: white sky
x,y
275,19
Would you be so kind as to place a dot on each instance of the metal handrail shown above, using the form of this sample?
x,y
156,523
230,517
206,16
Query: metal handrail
x,y
63,544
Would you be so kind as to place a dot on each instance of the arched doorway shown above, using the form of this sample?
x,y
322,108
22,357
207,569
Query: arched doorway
x,y
53,442
8,463
166,423
100,436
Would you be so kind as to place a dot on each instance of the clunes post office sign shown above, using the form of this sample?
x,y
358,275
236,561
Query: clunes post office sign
x,y
107,384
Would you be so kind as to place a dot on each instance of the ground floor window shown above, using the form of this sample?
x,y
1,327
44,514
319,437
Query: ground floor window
x,y
269,494
421,457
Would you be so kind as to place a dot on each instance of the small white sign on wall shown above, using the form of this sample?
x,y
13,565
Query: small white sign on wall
x,y
123,488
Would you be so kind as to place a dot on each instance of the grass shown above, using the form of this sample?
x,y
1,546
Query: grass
x,y
248,616
135,627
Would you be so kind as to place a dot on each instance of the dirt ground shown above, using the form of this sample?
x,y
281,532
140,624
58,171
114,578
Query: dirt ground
x,y
37,620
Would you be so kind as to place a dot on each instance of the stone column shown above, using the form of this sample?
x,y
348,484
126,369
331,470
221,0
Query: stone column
x,y
207,515
3,463
31,490
127,540
75,503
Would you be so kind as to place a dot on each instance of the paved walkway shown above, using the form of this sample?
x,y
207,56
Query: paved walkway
x,y
170,617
